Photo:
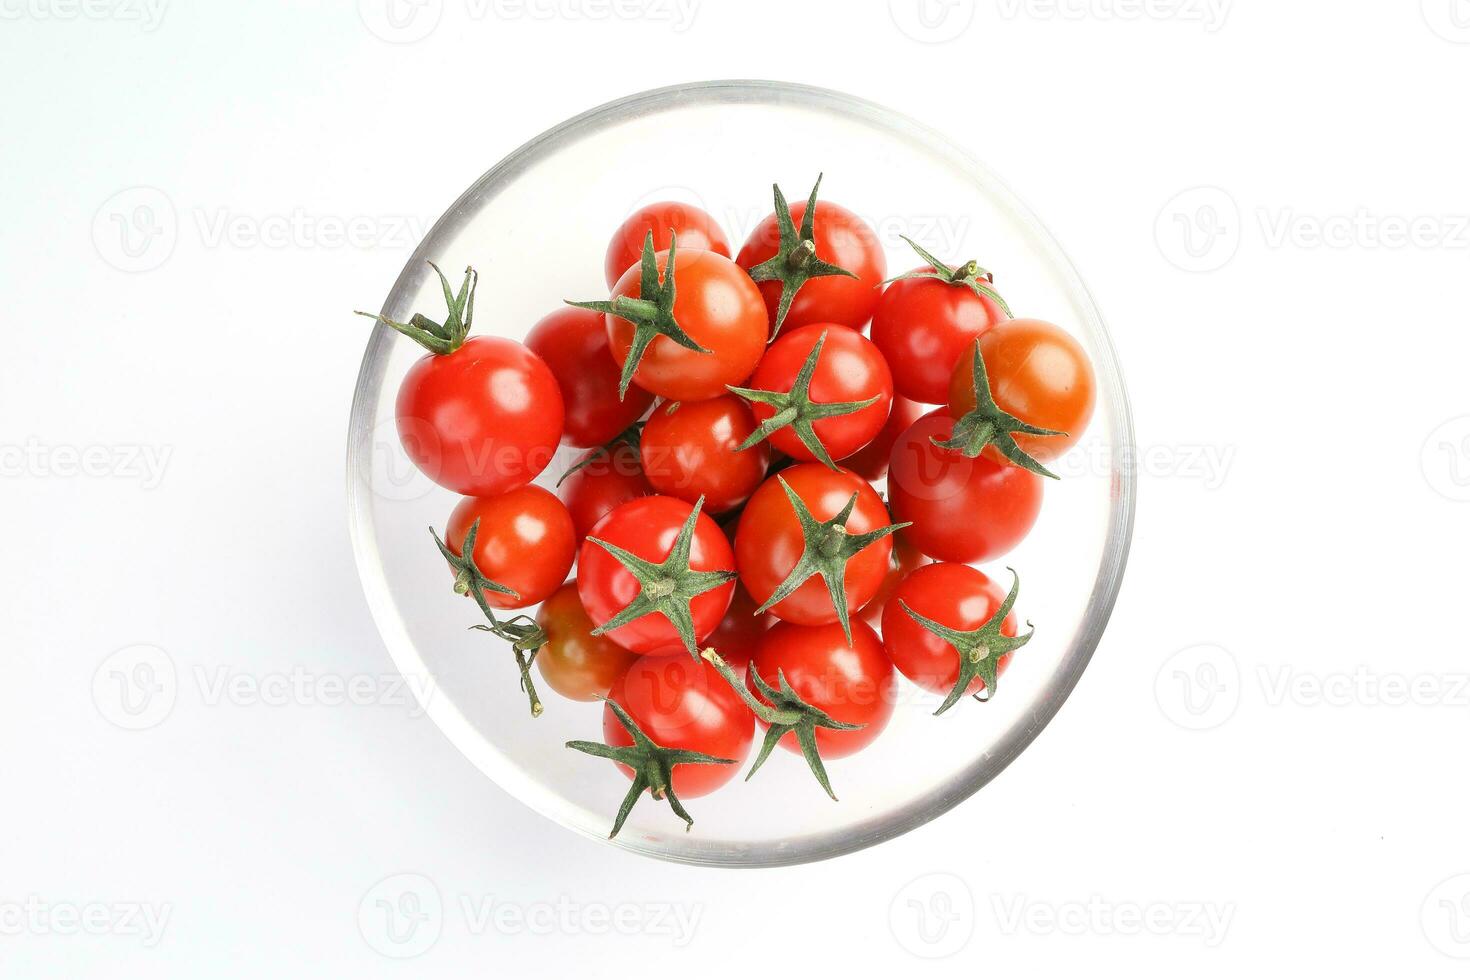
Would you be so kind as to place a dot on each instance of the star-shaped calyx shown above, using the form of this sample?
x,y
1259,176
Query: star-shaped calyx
x,y
980,649
652,765
522,632
795,261
665,587
440,338
827,547
786,712
796,408
988,425
651,312
969,275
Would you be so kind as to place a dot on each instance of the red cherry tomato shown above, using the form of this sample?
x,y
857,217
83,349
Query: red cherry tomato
x,y
841,238
690,450
849,369
648,527
964,510
769,541
923,327
682,703
573,343
1039,374
609,478
665,219
957,596
482,420
525,542
574,663
871,462
717,305
739,634
904,560
851,682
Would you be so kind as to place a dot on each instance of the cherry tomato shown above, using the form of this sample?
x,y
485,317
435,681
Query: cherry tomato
x,y
961,509
905,559
851,682
574,663
648,527
665,219
848,369
573,343
923,327
681,703
690,450
841,238
871,462
718,306
739,634
1039,374
769,541
609,478
482,420
957,596
525,542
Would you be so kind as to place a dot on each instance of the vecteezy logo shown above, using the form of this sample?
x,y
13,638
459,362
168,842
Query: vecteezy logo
x,y
1198,230
1445,459
136,687
932,21
136,229
382,461
400,21
1450,19
401,916
933,916
1198,688
1445,917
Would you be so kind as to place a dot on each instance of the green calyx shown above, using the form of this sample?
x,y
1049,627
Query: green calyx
x,y
987,425
786,712
969,275
666,587
795,261
438,338
796,408
632,437
524,634
652,765
651,312
827,547
980,649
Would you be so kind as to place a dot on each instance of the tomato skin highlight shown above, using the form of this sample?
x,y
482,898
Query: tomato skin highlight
x,y
842,238
961,509
690,450
924,327
871,461
853,683
608,480
683,703
526,542
957,596
768,541
695,227
574,663
1038,373
717,304
739,634
573,343
647,527
849,369
482,420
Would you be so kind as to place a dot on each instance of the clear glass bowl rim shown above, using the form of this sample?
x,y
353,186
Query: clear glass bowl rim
x,y
1110,380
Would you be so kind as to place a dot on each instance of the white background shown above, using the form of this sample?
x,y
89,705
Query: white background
x,y
1263,767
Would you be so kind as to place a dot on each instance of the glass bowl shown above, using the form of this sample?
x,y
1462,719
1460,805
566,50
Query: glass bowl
x,y
535,226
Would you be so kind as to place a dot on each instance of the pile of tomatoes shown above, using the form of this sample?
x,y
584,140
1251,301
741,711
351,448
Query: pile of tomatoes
x,y
738,565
